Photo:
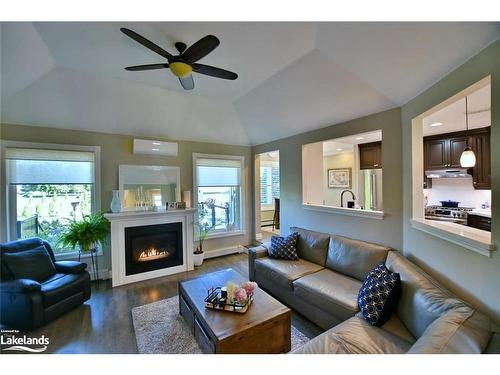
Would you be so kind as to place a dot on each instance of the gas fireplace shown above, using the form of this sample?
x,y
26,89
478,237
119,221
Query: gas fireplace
x,y
153,247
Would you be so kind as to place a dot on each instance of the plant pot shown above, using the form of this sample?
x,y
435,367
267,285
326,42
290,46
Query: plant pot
x,y
198,259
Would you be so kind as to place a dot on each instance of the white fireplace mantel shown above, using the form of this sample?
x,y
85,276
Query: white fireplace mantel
x,y
122,220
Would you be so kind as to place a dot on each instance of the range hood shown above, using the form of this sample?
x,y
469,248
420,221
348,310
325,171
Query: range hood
x,y
447,173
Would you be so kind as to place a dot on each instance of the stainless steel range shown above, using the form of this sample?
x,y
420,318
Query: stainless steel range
x,y
451,214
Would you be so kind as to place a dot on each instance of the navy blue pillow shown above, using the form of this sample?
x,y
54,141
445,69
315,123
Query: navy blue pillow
x,y
284,247
379,295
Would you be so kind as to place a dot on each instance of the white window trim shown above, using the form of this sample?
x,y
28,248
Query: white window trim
x,y
268,164
476,240
243,211
270,206
96,204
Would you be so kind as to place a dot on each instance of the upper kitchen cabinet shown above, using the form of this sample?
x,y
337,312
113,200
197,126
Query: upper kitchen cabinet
x,y
481,173
457,146
443,151
436,153
370,155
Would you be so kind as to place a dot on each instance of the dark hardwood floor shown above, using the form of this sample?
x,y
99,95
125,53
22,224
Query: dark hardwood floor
x,y
104,323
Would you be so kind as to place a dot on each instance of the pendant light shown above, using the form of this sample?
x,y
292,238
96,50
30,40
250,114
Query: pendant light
x,y
467,159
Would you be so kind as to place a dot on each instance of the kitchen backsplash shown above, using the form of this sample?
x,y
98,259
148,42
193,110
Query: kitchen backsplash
x,y
457,189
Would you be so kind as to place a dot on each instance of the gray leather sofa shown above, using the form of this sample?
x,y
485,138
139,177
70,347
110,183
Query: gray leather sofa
x,y
323,286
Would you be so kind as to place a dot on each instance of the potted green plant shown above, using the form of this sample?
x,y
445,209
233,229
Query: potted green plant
x,y
204,228
86,233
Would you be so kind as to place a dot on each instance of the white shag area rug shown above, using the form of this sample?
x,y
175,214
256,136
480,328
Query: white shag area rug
x,y
159,329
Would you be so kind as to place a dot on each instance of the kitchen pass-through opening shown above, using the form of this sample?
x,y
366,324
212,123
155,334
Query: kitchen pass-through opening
x,y
451,158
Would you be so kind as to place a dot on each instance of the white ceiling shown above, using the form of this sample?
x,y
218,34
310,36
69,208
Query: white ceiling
x,y
346,144
452,117
293,77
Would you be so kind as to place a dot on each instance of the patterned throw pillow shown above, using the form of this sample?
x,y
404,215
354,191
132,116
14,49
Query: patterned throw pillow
x,y
284,247
379,295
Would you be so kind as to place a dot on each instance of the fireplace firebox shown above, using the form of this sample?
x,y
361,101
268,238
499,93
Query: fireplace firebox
x,y
153,247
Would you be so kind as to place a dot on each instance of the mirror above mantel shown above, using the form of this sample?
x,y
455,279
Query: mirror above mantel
x,y
148,185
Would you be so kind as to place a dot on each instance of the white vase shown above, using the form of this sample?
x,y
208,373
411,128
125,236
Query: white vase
x,y
198,259
116,203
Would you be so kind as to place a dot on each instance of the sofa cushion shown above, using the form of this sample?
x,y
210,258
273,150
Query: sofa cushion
x,y
460,330
329,291
396,327
422,299
34,264
353,257
283,272
312,246
355,336
61,286
378,296
284,247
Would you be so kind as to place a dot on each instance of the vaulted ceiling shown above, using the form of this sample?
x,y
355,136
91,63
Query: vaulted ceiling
x,y
293,77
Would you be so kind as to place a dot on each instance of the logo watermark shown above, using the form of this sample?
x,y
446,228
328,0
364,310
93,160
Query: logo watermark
x,y
11,341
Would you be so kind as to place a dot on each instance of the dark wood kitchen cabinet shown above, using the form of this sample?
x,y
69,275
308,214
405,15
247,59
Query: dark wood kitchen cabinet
x,y
481,173
436,153
443,151
479,222
457,146
370,155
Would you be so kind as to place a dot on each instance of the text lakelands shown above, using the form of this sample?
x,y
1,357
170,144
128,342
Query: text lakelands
x,y
24,340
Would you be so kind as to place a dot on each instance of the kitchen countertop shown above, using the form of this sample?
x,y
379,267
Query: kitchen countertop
x,y
480,212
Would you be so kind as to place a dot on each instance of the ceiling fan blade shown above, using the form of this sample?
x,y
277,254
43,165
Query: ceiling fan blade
x,y
146,67
187,83
214,72
201,48
146,43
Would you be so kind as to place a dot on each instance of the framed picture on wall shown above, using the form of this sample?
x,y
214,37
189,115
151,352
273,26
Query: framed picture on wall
x,y
339,178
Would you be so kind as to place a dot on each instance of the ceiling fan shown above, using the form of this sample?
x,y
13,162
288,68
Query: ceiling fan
x,y
183,64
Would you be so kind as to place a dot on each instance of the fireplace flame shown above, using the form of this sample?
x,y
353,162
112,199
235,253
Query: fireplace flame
x,y
152,253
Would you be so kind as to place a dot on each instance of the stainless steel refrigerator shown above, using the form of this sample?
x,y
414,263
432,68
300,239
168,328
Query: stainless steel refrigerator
x,y
370,189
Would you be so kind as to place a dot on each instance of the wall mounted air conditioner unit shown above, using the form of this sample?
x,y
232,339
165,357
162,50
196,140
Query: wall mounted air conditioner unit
x,y
148,147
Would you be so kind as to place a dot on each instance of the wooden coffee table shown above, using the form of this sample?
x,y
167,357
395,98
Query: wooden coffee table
x,y
264,328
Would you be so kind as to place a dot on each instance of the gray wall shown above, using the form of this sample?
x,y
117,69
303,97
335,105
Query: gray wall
x,y
117,149
474,277
387,231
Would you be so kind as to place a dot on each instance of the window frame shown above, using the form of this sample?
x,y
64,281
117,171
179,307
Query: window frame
x,y
243,207
270,165
7,210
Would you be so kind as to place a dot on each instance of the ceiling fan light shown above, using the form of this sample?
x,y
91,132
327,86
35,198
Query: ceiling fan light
x,y
180,69
468,158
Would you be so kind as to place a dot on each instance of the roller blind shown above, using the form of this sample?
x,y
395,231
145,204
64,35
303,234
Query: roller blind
x,y
218,172
39,166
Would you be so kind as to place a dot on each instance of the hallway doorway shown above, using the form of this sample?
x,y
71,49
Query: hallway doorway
x,y
267,197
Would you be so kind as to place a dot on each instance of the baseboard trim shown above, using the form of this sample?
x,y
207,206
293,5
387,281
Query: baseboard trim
x,y
104,274
224,251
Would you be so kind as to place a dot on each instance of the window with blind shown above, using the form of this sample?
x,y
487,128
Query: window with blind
x,y
269,184
218,181
47,188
